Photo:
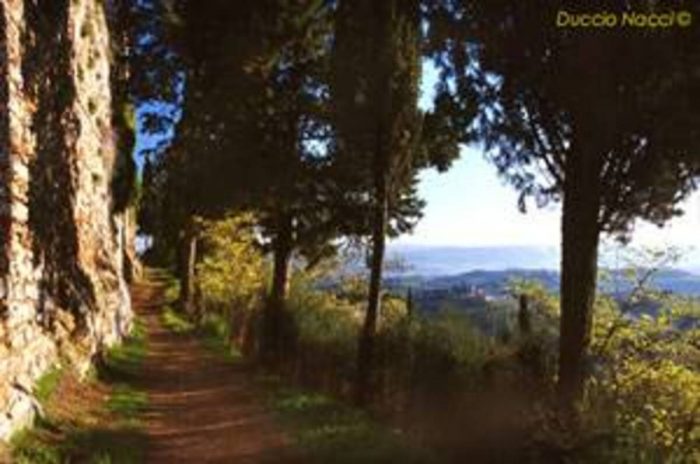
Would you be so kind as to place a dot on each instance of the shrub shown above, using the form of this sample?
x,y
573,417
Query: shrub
x,y
647,383
326,329
231,278
447,344
233,271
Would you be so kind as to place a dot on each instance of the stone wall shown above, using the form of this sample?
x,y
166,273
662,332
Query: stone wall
x,y
63,296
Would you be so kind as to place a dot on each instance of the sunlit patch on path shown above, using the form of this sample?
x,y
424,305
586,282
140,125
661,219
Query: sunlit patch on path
x,y
202,408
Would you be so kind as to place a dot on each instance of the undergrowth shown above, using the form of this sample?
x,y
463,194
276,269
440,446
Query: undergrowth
x,y
330,431
212,331
324,429
107,433
47,383
175,322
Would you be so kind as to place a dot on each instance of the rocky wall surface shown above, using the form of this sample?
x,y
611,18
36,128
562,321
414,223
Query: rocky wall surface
x,y
63,296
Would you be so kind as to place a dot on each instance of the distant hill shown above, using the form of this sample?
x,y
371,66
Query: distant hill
x,y
427,260
446,260
494,283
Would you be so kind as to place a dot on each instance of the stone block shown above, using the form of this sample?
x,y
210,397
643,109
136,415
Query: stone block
x,y
30,342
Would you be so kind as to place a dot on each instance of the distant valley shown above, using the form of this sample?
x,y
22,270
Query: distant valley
x,y
495,283
468,278
426,260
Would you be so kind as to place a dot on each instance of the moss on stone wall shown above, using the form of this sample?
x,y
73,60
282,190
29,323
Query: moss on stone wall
x,y
63,294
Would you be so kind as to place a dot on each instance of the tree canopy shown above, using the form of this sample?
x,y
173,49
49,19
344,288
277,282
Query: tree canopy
x,y
599,118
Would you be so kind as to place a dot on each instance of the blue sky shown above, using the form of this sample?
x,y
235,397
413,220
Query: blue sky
x,y
471,206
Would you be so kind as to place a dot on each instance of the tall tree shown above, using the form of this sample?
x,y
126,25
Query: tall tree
x,y
254,126
599,118
292,159
154,82
211,51
381,142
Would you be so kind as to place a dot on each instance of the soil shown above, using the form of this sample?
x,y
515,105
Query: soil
x,y
202,408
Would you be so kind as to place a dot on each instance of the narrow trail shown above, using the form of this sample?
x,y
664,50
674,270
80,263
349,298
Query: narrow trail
x,y
202,409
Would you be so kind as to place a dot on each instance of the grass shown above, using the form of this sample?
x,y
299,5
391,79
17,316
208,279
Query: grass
x,y
326,430
28,448
46,385
215,336
172,284
176,322
127,403
213,332
74,430
329,431
126,358
96,445
109,446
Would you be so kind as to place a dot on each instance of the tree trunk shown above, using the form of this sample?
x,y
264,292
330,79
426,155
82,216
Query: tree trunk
x,y
524,326
366,348
187,270
273,342
579,267
382,93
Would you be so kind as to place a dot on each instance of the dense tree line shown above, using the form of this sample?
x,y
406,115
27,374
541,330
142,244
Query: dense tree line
x,y
307,114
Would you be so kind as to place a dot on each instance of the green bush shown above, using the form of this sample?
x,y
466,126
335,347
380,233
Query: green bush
x,y
233,272
447,348
323,320
175,321
647,385
642,401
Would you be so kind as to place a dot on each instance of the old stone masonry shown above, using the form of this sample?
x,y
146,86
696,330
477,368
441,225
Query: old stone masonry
x,y
63,294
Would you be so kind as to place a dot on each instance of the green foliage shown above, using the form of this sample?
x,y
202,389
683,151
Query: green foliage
x,y
108,446
87,439
412,351
544,301
656,407
127,403
215,333
643,397
93,446
47,383
176,322
649,381
124,179
536,125
382,136
323,320
212,328
641,402
232,272
581,135
28,448
447,341
124,360
231,278
172,291
331,432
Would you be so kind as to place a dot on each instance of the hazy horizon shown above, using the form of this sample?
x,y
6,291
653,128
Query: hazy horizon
x,y
426,259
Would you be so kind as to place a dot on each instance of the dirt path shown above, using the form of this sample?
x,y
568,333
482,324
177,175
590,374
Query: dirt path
x,y
202,409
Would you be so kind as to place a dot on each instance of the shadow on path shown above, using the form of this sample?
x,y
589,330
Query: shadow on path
x,y
202,409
